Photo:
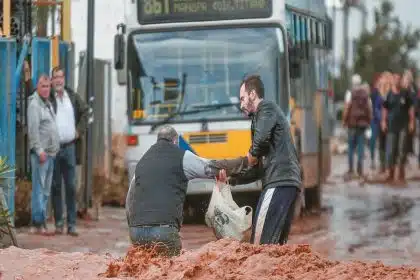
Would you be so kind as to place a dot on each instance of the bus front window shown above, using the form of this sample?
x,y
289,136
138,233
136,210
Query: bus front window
x,y
187,71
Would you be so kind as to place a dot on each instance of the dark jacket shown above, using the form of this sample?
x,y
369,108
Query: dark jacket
x,y
273,145
161,181
81,115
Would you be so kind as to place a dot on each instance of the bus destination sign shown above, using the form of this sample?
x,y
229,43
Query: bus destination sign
x,y
168,11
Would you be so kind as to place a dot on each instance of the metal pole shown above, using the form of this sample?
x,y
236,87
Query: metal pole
x,y
346,9
334,16
90,97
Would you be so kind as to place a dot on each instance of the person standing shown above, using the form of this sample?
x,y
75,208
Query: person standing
x,y
44,145
72,118
357,117
272,158
398,122
155,199
375,125
385,85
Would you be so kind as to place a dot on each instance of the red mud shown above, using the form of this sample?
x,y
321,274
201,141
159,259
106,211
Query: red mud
x,y
226,259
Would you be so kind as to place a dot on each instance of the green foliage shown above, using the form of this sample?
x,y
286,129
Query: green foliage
x,y
5,171
387,47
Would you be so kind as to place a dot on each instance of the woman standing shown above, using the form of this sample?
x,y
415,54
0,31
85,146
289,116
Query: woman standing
x,y
375,125
399,113
384,88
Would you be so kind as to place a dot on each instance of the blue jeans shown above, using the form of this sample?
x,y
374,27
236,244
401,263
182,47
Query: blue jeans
x,y
42,174
397,148
376,129
65,168
356,140
166,239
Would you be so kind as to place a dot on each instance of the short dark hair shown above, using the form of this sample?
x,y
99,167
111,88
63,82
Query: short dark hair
x,y
254,83
55,70
167,132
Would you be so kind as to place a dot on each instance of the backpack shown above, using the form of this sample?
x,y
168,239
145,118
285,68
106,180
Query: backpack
x,y
358,115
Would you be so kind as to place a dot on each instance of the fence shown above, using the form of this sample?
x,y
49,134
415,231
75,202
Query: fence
x,y
8,60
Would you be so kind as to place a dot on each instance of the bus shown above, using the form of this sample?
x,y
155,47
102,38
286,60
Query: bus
x,y
182,61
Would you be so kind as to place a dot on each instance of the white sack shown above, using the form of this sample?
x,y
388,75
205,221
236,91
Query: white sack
x,y
225,217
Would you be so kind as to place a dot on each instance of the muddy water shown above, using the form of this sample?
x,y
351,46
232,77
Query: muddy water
x,y
369,222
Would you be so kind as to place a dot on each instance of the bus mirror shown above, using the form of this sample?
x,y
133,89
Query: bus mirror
x,y
121,77
119,47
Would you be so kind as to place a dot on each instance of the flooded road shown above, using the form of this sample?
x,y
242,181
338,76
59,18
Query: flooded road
x,y
364,222
369,221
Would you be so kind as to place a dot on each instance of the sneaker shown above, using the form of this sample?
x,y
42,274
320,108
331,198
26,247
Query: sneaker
x,y
72,232
59,230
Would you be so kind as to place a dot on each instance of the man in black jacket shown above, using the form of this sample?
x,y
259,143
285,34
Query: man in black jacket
x,y
155,199
72,120
274,160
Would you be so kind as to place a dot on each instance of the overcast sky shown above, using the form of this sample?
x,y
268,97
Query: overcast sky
x,y
405,9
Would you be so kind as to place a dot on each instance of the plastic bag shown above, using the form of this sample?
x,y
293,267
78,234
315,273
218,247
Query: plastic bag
x,y
227,219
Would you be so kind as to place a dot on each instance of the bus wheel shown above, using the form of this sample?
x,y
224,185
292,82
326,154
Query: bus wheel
x,y
195,207
189,214
313,199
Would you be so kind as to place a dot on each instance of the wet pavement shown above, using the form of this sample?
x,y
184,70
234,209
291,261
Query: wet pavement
x,y
362,221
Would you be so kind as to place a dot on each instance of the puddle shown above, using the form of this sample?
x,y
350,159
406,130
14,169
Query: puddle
x,y
373,222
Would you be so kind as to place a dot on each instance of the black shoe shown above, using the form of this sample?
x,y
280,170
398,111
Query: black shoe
x,y
59,230
72,232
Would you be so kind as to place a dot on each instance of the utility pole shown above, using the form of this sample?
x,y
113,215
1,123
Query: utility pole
x,y
334,19
359,5
90,98
346,11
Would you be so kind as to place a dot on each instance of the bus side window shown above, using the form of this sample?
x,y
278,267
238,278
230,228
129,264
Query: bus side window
x,y
321,34
317,35
313,27
309,29
305,38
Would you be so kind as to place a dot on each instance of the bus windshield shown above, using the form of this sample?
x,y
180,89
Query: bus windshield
x,y
186,71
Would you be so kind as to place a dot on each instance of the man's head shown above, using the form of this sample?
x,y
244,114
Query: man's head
x,y
44,86
251,93
366,87
58,79
168,133
356,80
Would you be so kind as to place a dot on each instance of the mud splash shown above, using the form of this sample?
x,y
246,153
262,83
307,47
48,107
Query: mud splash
x,y
227,259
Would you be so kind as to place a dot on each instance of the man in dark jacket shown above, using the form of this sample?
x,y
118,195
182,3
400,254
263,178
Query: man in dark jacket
x,y
156,196
72,119
272,158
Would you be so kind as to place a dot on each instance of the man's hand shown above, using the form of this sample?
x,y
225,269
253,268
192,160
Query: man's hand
x,y
383,126
42,157
251,160
222,177
77,135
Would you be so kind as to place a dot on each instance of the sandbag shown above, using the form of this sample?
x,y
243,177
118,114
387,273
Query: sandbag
x,y
227,219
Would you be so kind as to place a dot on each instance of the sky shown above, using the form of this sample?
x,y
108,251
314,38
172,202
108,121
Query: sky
x,y
403,8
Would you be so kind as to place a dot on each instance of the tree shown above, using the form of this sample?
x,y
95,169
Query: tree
x,y
387,47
